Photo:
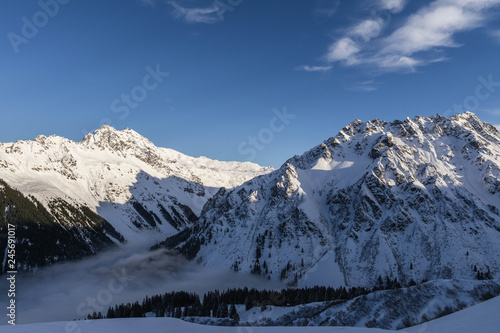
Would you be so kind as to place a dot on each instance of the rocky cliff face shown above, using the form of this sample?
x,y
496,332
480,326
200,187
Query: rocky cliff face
x,y
413,199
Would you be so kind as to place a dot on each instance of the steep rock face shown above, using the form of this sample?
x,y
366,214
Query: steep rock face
x,y
413,199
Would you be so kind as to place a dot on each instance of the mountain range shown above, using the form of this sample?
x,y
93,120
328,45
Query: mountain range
x,y
112,187
416,199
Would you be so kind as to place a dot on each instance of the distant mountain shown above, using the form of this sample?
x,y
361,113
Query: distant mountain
x,y
111,187
414,199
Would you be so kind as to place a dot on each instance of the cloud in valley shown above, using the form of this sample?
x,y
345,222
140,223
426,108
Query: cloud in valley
x,y
70,290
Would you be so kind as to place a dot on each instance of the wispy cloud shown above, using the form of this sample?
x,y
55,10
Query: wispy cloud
x,y
495,34
435,26
367,29
356,37
208,15
394,6
370,85
308,68
326,8
413,44
345,49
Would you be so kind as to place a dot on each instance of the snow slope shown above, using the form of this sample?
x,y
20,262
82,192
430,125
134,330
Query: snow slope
x,y
109,170
157,325
479,318
414,199
482,318
388,309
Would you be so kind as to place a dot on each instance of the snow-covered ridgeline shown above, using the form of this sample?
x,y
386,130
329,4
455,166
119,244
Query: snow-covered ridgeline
x,y
109,168
414,199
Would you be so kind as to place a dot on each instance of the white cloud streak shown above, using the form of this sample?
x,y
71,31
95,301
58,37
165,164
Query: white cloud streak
x,y
370,85
197,15
432,27
367,29
394,6
345,49
308,68
413,44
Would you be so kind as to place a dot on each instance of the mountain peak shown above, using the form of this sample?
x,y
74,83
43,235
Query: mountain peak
x,y
109,137
105,128
110,130
410,199
468,114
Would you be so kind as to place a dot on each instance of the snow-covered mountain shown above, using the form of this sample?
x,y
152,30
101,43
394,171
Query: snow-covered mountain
x,y
119,175
414,199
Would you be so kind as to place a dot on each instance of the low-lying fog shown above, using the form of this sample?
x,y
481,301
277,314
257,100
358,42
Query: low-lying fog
x,y
72,290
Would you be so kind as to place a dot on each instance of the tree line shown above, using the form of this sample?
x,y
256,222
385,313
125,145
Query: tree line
x,y
222,304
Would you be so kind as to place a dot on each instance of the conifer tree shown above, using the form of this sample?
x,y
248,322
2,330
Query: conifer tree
x,y
233,314
248,303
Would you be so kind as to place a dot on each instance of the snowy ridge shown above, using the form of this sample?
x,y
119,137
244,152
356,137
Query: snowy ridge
x,y
414,199
115,173
387,309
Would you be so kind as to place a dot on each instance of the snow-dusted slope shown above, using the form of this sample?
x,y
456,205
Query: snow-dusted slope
x,y
122,176
482,318
388,309
413,199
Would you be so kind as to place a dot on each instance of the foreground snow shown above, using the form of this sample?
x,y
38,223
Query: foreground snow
x,y
482,318
154,325
479,318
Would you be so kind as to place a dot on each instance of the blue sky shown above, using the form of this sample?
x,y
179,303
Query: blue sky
x,y
258,80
